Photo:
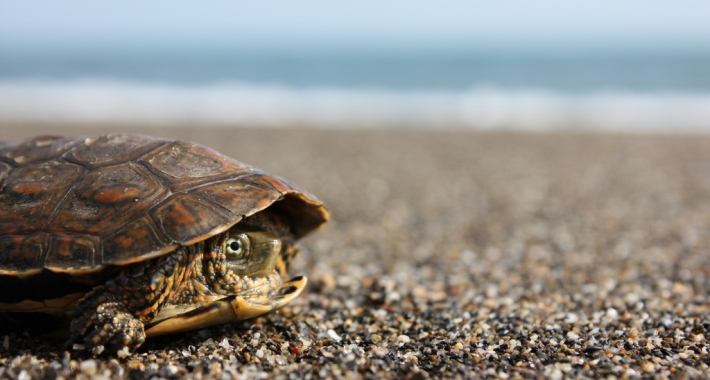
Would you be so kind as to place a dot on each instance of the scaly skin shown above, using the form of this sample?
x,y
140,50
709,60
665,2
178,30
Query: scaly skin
x,y
209,276
113,315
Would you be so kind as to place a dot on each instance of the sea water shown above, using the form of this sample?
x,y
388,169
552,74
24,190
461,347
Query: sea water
x,y
615,89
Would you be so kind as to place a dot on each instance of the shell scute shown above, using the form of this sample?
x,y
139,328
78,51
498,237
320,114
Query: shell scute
x,y
106,197
188,218
130,242
71,252
31,194
112,149
22,252
39,148
186,165
242,197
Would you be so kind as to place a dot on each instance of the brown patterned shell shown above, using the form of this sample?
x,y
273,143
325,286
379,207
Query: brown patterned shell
x,y
70,204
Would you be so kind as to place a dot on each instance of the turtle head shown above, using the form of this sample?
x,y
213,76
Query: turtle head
x,y
251,253
247,284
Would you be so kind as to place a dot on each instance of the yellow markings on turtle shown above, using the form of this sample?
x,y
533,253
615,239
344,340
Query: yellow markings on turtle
x,y
179,318
54,306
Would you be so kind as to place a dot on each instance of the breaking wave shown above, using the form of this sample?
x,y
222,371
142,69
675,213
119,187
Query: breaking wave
x,y
94,101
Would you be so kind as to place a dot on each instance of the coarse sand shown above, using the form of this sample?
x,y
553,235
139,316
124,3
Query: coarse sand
x,y
456,255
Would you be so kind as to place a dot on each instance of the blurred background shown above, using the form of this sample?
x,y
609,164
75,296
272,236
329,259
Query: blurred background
x,y
633,66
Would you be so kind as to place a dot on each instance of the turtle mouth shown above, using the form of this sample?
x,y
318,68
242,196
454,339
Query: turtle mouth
x,y
179,318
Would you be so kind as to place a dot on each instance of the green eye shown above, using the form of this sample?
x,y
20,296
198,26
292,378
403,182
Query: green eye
x,y
235,247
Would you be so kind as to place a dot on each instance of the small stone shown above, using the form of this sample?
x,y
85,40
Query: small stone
x,y
135,364
458,346
333,335
403,339
123,353
172,369
648,367
380,352
328,281
612,313
225,343
88,367
98,350
260,354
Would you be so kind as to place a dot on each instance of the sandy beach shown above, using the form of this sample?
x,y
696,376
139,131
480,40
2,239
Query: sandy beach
x,y
456,254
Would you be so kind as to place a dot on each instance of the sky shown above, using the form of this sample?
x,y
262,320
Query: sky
x,y
396,23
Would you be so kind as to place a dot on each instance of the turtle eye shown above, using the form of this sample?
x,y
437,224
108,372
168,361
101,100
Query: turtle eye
x,y
235,247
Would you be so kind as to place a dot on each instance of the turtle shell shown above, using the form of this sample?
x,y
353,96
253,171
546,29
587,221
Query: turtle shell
x,y
75,205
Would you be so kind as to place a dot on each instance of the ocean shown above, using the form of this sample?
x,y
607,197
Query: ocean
x,y
615,90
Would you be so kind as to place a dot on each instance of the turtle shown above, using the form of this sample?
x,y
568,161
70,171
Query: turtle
x,y
131,236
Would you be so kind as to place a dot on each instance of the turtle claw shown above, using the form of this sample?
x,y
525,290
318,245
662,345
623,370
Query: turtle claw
x,y
108,330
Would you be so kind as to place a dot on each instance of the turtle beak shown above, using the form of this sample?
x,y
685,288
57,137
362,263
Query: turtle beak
x,y
225,310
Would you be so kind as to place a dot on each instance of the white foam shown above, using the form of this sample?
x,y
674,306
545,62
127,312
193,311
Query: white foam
x,y
234,104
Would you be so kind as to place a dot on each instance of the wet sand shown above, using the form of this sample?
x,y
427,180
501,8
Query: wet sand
x,y
458,254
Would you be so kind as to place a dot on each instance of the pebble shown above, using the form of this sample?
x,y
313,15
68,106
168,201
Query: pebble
x,y
88,367
333,335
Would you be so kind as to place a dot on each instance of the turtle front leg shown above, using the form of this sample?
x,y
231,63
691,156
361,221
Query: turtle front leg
x,y
112,315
